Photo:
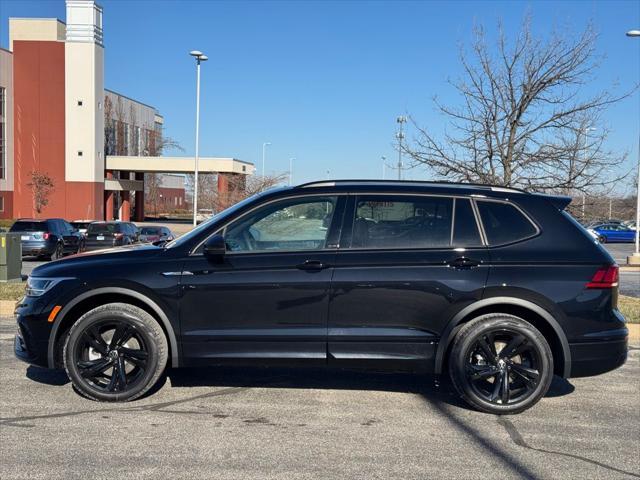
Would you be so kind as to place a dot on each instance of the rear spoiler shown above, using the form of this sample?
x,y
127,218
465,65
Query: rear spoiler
x,y
559,201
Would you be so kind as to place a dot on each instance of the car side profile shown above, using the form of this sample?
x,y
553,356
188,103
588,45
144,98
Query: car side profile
x,y
102,235
614,232
49,239
498,288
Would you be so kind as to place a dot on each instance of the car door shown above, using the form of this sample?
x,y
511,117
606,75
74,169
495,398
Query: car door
x,y
406,264
267,298
69,235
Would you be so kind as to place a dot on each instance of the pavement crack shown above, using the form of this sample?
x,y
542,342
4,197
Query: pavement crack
x,y
519,440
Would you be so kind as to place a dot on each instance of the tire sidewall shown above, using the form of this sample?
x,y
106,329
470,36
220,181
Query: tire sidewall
x,y
95,317
468,335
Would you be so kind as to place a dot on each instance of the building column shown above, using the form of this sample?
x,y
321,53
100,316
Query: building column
x,y
108,200
125,209
139,205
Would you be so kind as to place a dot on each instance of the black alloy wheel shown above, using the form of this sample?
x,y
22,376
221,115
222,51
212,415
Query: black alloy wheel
x,y
501,364
115,352
58,252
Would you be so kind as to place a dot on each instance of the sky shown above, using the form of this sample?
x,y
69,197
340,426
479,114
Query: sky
x,y
324,81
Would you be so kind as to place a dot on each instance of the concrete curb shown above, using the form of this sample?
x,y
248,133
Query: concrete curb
x,y
627,268
7,307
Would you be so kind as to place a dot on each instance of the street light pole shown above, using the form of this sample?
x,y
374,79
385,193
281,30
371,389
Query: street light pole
x,y
400,136
200,57
635,258
264,154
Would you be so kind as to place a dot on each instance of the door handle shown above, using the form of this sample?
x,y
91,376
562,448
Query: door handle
x,y
463,262
312,265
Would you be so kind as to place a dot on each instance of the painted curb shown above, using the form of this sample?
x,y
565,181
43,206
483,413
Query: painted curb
x,y
7,307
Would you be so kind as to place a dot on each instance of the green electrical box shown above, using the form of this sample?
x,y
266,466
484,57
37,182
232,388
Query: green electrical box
x,y
10,257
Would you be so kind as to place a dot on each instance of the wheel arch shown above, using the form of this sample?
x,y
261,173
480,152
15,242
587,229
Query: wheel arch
x,y
84,302
533,313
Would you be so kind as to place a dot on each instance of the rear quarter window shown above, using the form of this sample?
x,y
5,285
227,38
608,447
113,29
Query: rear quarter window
x,y
504,223
29,227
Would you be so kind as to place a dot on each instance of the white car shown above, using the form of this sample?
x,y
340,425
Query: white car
x,y
594,234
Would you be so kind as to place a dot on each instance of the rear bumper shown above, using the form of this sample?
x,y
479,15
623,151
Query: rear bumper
x,y
34,249
594,358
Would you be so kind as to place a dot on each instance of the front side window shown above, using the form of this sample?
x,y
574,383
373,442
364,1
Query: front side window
x,y
390,221
296,224
504,223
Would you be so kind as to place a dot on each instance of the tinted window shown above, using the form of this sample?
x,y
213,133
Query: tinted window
x,y
150,231
103,228
67,227
298,224
503,223
465,228
27,226
388,221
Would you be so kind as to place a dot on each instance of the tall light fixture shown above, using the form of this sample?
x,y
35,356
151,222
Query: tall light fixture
x,y
635,258
200,57
264,155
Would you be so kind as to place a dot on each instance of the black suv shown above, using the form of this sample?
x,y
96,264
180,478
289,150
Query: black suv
x,y
110,234
47,239
498,287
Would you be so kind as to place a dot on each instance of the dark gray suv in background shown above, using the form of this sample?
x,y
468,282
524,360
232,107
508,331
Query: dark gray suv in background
x,y
48,239
499,288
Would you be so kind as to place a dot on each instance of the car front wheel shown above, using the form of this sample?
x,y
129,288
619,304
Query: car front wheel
x,y
115,352
501,364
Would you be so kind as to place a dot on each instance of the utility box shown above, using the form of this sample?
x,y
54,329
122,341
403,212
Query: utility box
x,y
10,257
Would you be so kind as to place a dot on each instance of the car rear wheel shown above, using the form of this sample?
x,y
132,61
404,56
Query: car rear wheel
x,y
58,252
115,352
602,239
501,364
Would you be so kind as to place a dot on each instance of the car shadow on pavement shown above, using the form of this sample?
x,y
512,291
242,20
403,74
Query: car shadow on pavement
x,y
47,376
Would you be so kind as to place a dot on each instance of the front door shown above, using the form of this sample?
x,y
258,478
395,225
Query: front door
x,y
267,298
406,264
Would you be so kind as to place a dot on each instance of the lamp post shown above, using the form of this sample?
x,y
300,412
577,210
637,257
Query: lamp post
x,y
200,57
400,136
635,258
264,155
291,171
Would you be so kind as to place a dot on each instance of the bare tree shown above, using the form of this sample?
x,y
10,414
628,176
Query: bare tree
x,y
42,186
524,119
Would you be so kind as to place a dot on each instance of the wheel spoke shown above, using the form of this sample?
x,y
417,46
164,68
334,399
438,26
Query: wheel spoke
x,y
530,375
504,380
113,383
92,368
514,346
121,372
122,333
488,349
135,357
479,372
95,340
496,388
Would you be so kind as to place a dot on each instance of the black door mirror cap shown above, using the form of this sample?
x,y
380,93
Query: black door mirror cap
x,y
215,247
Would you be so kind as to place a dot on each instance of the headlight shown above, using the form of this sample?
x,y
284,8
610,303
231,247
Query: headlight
x,y
37,286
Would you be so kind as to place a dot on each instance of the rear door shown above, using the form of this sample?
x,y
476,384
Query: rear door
x,y
406,265
69,236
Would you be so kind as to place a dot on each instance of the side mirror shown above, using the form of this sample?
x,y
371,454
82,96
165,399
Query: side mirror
x,y
215,247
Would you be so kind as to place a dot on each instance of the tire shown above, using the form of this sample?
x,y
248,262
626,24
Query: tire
x,y
602,239
480,367
115,353
58,252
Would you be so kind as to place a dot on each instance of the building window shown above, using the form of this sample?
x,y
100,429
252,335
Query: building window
x,y
3,132
137,141
1,204
79,103
79,153
127,138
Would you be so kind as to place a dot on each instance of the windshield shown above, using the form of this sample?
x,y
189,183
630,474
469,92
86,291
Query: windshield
x,y
150,231
209,221
102,228
29,227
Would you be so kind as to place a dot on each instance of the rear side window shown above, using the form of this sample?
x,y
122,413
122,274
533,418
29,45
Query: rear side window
x,y
504,223
465,228
29,227
102,228
388,221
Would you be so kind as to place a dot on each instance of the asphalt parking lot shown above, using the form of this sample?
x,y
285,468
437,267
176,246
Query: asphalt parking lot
x,y
286,424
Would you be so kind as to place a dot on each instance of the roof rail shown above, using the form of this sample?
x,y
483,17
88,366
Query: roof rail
x,y
331,183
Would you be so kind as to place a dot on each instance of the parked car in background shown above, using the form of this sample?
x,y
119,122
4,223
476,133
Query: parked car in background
x,y
49,239
110,234
496,287
82,225
614,232
154,233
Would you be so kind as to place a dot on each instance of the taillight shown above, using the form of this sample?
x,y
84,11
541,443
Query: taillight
x,y
605,277
118,236
46,235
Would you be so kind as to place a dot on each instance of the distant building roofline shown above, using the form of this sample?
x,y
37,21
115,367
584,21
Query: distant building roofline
x,y
133,100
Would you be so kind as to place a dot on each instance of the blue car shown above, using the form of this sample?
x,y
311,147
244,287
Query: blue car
x,y
614,232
